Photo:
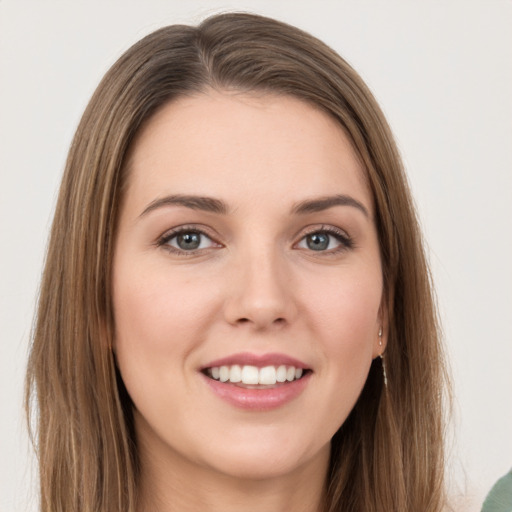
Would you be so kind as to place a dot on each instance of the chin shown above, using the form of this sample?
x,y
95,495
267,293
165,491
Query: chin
x,y
257,462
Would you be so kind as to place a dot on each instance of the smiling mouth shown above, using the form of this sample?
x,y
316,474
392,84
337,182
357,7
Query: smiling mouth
x,y
255,377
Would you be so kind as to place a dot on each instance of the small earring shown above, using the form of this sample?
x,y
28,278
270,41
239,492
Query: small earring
x,y
383,362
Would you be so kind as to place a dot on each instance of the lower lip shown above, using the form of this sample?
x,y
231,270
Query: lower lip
x,y
258,399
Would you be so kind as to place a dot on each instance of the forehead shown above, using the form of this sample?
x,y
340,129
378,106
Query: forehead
x,y
238,145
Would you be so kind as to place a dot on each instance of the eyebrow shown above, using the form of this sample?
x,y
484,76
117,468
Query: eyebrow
x,y
212,205
207,204
324,203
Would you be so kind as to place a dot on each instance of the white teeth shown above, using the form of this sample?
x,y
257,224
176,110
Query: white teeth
x,y
235,374
268,376
281,374
224,373
252,375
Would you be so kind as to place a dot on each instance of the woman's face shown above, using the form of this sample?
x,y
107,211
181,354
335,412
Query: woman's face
x,y
246,251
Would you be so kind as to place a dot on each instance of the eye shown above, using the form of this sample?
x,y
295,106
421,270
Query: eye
x,y
325,240
186,240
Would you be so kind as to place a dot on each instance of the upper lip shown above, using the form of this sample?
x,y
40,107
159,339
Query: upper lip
x,y
259,360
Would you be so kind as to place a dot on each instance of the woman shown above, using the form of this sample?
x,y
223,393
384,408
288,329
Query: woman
x,y
236,312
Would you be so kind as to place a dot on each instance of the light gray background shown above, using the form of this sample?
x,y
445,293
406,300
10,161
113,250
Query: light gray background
x,y
442,71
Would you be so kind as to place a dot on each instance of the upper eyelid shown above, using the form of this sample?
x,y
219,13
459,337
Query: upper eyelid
x,y
170,233
322,228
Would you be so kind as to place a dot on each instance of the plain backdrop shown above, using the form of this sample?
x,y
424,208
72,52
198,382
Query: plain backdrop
x,y
442,71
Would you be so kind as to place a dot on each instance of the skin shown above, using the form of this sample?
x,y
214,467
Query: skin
x,y
254,286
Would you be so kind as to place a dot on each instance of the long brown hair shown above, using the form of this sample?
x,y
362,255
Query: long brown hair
x,y
388,455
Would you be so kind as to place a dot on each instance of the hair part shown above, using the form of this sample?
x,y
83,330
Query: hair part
x,y
388,455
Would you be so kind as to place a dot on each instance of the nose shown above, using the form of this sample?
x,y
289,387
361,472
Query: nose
x,y
260,294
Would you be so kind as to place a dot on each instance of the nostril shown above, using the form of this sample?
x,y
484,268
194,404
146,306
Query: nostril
x,y
277,321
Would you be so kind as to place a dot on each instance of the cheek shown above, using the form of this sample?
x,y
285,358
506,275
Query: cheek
x,y
156,304
344,314
159,316
346,308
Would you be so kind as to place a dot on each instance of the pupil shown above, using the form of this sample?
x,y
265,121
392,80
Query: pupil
x,y
189,241
318,241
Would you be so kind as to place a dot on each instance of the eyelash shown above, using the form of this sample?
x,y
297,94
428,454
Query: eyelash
x,y
345,241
